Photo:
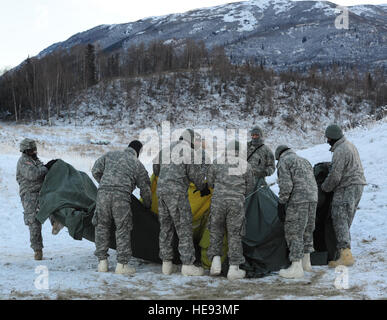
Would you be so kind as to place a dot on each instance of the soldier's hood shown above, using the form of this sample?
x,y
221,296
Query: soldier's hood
x,y
185,143
338,142
29,158
184,148
131,151
286,153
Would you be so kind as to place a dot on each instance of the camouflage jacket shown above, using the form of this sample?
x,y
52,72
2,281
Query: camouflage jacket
x,y
122,171
30,174
296,180
232,179
175,177
346,168
262,161
206,161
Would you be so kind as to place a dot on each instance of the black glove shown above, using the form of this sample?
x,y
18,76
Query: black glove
x,y
281,212
205,191
49,164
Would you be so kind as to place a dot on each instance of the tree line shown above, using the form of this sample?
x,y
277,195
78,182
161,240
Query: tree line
x,y
42,88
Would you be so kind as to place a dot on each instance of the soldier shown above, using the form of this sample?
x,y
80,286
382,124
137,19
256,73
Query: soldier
x,y
346,180
299,194
118,173
228,209
259,155
30,175
174,179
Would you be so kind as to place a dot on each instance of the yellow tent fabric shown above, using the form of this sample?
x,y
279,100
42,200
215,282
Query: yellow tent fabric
x,y
200,207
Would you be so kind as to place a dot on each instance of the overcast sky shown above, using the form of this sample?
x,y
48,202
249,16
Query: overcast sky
x,y
29,26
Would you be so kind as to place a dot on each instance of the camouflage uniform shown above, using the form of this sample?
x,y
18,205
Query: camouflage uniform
x,y
118,173
174,207
298,189
227,208
206,161
30,175
262,160
346,179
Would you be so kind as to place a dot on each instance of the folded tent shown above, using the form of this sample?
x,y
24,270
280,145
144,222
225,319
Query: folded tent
x,y
70,195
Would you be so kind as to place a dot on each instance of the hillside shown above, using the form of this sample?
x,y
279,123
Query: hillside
x,y
294,108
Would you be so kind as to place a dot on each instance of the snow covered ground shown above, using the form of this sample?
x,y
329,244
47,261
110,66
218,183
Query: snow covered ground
x,y
71,265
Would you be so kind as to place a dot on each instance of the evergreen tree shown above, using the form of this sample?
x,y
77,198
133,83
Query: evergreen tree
x,y
90,66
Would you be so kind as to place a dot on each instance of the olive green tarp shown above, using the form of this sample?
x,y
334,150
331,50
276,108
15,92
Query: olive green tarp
x,y
70,196
264,245
325,242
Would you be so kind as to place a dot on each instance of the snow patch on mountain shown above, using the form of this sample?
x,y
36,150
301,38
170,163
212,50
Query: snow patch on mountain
x,y
245,18
365,10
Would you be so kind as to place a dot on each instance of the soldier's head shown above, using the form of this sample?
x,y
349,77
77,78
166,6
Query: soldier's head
x,y
280,150
193,138
333,133
256,135
136,145
28,147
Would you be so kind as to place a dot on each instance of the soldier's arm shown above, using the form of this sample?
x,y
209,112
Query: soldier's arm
x,y
205,163
334,176
144,184
98,169
211,175
32,172
270,163
156,169
196,175
255,162
250,181
285,183
261,165
156,165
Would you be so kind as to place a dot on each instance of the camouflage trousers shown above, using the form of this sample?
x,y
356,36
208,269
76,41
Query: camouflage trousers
x,y
113,208
175,214
344,205
299,227
30,202
227,215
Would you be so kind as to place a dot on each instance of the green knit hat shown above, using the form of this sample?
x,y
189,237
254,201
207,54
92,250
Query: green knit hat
x,y
27,144
334,132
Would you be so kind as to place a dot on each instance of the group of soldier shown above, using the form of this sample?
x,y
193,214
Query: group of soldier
x,y
120,172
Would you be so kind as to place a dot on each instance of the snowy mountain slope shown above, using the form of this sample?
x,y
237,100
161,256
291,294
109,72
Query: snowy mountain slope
x,y
377,12
282,33
72,265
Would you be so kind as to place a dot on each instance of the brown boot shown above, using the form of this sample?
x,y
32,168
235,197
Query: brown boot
x,y
345,259
38,255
